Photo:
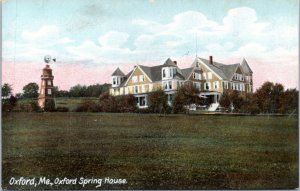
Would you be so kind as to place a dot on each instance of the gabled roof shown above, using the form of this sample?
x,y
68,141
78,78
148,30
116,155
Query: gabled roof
x,y
118,72
245,67
169,62
154,73
215,67
186,72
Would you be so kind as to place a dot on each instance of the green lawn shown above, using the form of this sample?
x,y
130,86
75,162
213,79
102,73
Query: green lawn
x,y
152,152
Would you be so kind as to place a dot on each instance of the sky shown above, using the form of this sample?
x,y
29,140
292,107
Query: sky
x,y
91,38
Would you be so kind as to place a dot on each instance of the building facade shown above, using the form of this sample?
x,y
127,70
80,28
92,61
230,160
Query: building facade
x,y
211,78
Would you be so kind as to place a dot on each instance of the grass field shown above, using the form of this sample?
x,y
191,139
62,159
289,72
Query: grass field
x,y
152,151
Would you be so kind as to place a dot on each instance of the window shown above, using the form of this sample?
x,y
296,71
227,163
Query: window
x,y
142,101
170,85
170,98
196,76
226,85
207,85
136,89
209,75
49,82
114,81
174,72
134,79
141,78
164,73
49,92
216,85
167,85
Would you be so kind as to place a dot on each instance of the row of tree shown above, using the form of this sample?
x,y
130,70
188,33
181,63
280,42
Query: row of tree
x,y
269,98
31,90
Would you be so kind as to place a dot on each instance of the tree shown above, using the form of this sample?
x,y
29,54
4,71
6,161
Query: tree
x,y
60,93
268,96
250,104
232,99
288,101
31,90
78,91
225,100
88,91
237,100
158,101
6,90
186,95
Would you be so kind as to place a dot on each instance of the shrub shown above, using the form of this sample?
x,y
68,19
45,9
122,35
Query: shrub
x,y
49,105
108,103
126,103
62,109
88,106
34,106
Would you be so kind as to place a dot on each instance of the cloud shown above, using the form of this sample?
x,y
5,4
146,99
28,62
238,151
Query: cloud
x,y
44,33
33,45
113,39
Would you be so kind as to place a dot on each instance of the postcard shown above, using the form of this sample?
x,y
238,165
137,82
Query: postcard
x,y
150,94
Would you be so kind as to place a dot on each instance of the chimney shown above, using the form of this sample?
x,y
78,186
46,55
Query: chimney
x,y
211,60
175,62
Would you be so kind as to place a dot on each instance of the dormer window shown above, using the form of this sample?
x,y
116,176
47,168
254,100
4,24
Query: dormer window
x,y
168,72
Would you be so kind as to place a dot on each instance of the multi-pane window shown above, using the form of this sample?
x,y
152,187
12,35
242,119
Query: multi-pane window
x,y
167,85
207,86
49,91
197,76
49,82
216,85
226,85
164,73
136,89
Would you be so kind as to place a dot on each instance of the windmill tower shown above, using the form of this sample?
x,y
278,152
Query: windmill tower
x,y
46,96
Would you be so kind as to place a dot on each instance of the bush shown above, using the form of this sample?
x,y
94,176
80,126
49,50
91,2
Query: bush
x,y
126,103
143,110
9,104
62,109
108,103
49,105
88,106
34,106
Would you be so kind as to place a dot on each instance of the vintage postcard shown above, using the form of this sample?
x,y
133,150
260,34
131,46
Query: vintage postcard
x,y
150,94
